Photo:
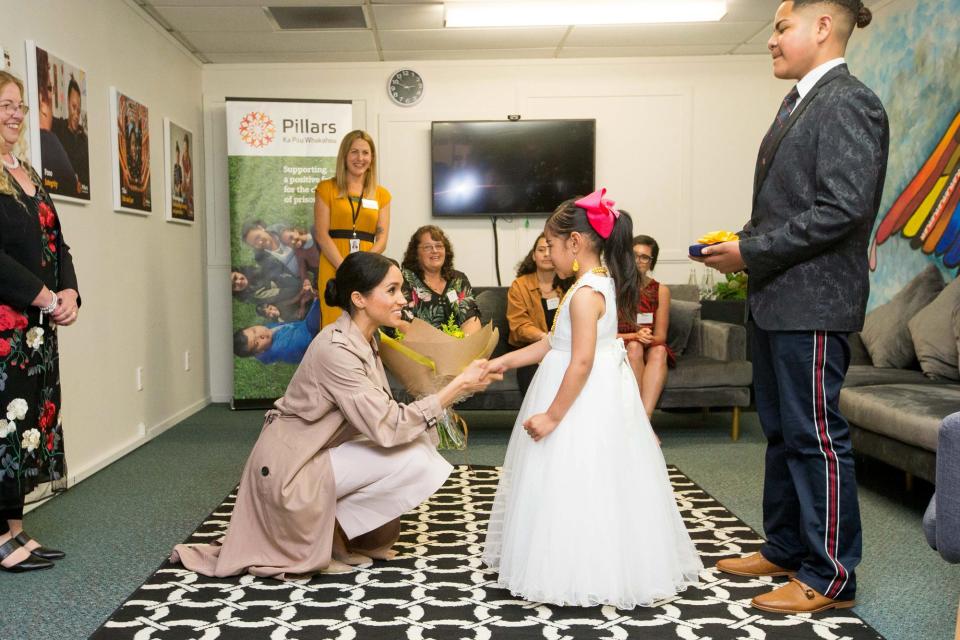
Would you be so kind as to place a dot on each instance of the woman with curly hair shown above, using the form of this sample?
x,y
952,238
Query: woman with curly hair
x,y
436,291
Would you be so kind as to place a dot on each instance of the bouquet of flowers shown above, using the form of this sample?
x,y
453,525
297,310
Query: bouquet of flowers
x,y
424,359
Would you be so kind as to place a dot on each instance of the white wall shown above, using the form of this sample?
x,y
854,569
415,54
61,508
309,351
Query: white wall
x,y
141,278
676,146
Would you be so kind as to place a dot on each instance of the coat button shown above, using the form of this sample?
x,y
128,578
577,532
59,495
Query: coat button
x,y
264,471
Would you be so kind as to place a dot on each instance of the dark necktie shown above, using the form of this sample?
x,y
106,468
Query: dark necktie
x,y
786,108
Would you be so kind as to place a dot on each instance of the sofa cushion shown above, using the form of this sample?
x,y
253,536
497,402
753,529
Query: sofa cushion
x,y
910,413
934,336
683,316
885,332
863,375
699,371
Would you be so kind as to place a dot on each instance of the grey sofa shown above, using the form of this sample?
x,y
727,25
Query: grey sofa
x,y
904,376
941,523
895,414
712,369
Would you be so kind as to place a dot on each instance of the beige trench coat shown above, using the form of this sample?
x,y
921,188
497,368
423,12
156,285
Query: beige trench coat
x,y
283,522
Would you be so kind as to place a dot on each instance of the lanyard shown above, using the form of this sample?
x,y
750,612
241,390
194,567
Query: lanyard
x,y
355,213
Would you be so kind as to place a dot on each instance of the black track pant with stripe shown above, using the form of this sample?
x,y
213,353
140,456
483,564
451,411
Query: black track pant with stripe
x,y
811,516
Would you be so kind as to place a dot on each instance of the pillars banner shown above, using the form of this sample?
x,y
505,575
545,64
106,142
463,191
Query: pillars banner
x,y
278,150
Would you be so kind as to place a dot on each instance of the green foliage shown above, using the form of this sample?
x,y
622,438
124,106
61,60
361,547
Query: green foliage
x,y
451,328
451,431
733,288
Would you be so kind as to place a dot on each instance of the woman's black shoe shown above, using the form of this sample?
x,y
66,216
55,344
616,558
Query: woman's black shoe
x,y
40,552
32,563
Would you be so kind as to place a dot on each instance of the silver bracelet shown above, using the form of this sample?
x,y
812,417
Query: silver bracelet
x,y
50,308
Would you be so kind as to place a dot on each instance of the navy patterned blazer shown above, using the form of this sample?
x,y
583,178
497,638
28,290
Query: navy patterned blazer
x,y
817,188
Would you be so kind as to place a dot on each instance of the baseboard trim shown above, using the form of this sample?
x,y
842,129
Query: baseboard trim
x,y
134,443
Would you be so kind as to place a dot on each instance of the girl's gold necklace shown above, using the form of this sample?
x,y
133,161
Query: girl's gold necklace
x,y
600,270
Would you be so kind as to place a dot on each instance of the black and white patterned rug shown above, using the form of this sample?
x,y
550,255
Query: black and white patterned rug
x,y
438,589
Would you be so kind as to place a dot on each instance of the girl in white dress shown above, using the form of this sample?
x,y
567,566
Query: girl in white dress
x,y
584,513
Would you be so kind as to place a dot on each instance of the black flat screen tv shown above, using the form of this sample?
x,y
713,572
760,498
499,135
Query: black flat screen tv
x,y
510,168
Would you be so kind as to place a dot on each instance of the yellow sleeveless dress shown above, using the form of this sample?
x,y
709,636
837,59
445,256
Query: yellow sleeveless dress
x,y
342,229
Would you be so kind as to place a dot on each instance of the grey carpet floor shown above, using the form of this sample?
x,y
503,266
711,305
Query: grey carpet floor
x,y
119,525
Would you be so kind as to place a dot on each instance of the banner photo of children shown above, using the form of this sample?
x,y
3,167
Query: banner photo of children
x,y
60,150
277,152
178,154
131,154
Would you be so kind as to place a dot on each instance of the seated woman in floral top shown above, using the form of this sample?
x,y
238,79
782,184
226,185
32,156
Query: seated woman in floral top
x,y
435,290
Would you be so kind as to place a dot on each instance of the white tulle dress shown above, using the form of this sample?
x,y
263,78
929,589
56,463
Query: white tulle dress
x,y
587,516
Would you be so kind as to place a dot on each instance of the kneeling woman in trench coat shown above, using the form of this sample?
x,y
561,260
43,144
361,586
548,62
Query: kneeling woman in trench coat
x,y
337,449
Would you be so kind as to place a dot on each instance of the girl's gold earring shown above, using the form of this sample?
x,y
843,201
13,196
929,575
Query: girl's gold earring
x,y
576,265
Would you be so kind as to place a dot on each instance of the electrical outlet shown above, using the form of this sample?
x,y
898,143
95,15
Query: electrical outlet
x,y
139,378
186,361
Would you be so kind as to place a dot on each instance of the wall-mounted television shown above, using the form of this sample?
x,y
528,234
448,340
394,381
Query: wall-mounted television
x,y
510,168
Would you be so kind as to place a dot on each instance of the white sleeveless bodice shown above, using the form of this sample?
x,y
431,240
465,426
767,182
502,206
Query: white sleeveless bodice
x,y
561,338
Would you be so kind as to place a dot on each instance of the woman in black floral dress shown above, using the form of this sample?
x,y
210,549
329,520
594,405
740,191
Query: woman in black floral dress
x,y
38,292
437,293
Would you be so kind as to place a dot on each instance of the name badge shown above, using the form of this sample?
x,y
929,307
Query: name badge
x,y
354,245
367,203
644,318
452,296
553,303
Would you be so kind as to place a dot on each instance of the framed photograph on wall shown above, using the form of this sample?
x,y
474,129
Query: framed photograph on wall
x,y
130,143
60,149
178,167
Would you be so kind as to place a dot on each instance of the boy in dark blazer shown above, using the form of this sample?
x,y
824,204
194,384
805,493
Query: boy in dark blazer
x,y
817,187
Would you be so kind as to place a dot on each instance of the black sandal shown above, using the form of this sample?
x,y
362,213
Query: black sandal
x,y
40,552
32,563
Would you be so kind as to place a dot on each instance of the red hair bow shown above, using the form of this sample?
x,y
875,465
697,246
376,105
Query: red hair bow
x,y
600,212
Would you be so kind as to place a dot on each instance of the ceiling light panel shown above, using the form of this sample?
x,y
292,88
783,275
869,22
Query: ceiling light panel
x,y
524,14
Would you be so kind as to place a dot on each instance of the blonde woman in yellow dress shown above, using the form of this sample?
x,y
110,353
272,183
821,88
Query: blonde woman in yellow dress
x,y
351,211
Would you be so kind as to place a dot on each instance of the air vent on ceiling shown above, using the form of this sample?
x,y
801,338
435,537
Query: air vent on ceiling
x,y
300,18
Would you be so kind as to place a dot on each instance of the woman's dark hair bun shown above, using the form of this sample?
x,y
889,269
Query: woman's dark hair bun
x,y
864,16
330,293
360,271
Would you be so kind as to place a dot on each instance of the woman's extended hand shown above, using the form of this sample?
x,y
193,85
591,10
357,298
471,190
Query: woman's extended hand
x,y
478,376
539,426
